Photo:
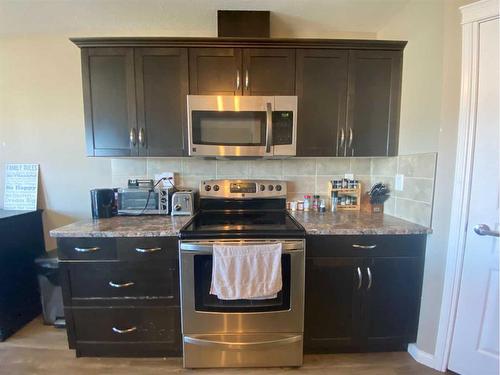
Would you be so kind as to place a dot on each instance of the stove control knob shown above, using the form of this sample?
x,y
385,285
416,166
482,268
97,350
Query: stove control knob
x,y
177,207
216,187
278,187
262,187
208,188
270,187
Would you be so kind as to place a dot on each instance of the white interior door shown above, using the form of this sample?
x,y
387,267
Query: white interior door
x,y
475,343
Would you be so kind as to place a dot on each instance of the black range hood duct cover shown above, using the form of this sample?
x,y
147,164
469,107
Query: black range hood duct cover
x,y
243,23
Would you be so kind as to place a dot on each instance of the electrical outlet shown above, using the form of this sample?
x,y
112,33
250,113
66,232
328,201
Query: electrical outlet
x,y
399,182
349,176
167,175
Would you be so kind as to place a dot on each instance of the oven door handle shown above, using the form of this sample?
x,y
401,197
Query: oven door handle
x,y
230,345
207,248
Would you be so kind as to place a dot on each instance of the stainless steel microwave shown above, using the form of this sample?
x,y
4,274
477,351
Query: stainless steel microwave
x,y
242,126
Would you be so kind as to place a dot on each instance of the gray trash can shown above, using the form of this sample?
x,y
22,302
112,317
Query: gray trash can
x,y
50,290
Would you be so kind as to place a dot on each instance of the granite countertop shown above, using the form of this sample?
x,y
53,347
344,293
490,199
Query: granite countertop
x,y
338,223
124,226
355,223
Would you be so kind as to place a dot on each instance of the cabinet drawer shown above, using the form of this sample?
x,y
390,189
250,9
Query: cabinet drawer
x,y
365,245
114,280
127,324
86,248
143,248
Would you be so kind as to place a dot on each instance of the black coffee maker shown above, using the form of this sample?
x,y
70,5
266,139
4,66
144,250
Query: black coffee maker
x,y
103,203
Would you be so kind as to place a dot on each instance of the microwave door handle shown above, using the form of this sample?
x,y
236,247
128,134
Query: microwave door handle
x,y
269,127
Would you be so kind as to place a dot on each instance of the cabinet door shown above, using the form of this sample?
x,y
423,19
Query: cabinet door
x,y
109,101
373,103
392,302
268,71
215,71
322,96
332,304
162,86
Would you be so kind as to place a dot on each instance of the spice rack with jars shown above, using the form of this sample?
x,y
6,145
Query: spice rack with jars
x,y
345,195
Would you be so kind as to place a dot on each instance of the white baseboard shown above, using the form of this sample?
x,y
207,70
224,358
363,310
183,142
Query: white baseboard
x,y
422,357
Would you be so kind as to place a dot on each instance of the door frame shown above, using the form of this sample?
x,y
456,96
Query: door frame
x,y
472,16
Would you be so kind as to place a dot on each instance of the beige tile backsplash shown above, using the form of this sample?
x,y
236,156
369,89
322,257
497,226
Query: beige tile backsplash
x,y
304,175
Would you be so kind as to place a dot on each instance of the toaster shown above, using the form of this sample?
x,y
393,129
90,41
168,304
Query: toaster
x,y
184,202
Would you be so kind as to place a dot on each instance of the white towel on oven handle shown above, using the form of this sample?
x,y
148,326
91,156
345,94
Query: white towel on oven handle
x,y
246,271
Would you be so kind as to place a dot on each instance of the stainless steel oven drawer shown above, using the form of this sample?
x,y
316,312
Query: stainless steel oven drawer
x,y
243,350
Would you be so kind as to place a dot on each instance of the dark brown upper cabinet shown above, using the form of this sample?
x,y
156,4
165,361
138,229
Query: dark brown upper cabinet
x,y
373,103
135,101
236,71
322,97
268,71
215,71
109,101
135,90
162,85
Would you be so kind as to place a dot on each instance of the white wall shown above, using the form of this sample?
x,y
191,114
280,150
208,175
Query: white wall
x,y
429,114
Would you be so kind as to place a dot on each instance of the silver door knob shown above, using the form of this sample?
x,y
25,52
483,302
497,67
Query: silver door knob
x,y
484,230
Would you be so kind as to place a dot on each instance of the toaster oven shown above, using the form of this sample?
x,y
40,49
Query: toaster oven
x,y
140,198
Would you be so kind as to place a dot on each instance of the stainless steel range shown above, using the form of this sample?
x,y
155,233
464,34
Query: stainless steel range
x,y
241,333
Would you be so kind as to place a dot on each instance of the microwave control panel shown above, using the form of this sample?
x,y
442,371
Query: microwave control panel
x,y
282,127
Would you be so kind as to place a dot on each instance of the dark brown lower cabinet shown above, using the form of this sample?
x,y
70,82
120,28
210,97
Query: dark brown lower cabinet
x,y
362,292
121,296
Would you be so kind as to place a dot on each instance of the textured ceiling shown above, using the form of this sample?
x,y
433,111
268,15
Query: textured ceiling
x,y
299,18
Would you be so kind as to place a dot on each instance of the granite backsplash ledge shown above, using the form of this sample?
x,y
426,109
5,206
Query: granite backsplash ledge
x,y
303,176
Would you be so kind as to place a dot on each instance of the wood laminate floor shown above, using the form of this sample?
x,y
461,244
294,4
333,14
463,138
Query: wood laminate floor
x,y
39,349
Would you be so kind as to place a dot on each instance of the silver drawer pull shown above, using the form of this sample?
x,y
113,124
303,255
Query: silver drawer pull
x,y
150,250
127,330
356,246
87,249
121,285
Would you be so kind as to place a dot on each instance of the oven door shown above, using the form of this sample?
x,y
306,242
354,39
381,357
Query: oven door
x,y
203,313
230,126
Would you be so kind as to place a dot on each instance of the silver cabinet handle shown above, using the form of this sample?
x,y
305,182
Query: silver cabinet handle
x,y
142,138
484,230
360,278
121,285
369,273
351,135
126,330
269,127
133,137
357,246
247,79
145,250
87,249
237,79
342,137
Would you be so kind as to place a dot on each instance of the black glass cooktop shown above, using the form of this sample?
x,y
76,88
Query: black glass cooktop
x,y
249,224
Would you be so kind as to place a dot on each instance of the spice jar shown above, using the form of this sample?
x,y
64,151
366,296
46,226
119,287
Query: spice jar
x,y
300,205
316,202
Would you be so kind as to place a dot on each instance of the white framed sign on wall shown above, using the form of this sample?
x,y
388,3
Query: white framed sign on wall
x,y
21,187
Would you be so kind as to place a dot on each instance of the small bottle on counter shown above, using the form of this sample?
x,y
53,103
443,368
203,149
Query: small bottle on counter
x,y
322,205
300,205
334,201
307,202
316,203
293,205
